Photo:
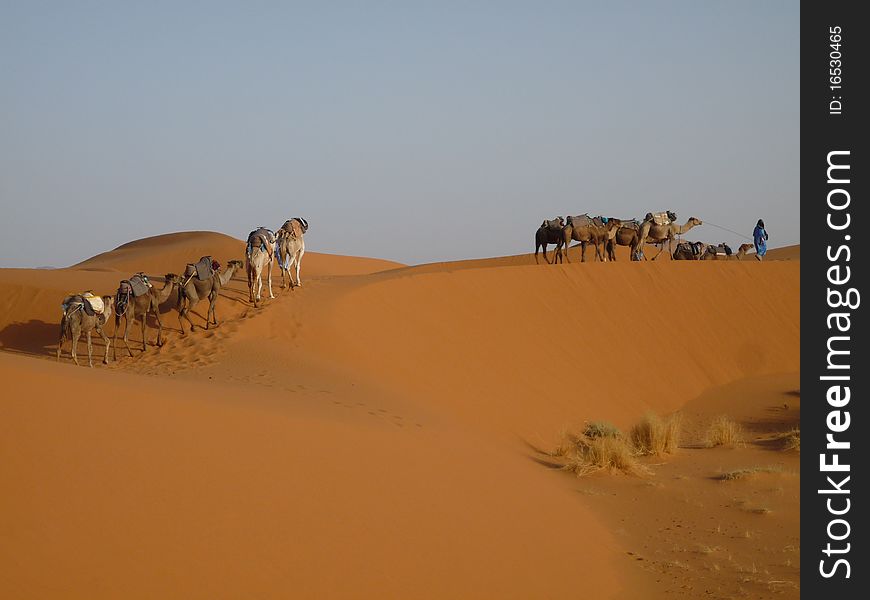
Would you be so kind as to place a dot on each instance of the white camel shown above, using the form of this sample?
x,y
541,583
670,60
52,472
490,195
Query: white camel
x,y
290,247
258,256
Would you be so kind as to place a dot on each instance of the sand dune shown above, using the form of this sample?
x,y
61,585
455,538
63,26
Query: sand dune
x,y
371,434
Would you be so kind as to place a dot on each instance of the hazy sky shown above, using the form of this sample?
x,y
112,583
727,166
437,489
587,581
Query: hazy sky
x,y
415,131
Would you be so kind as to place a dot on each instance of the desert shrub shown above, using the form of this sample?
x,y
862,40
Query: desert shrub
x,y
566,445
792,440
603,452
723,432
655,435
597,429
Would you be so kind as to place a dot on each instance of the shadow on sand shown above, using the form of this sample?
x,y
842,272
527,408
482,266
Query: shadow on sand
x,y
36,338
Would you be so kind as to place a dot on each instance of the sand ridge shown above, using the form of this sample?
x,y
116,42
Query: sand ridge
x,y
370,433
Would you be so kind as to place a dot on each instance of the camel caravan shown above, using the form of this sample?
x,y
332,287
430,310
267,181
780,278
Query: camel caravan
x,y
605,233
136,297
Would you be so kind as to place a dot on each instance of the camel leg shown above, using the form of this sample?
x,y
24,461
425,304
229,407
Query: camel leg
x,y
257,282
182,312
90,351
144,329
106,342
76,334
661,248
299,266
186,315
212,300
115,338
250,272
160,340
127,319
271,295
582,251
61,338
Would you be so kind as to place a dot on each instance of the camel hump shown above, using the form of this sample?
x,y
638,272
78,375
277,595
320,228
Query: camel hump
x,y
205,268
261,238
295,226
662,218
89,302
138,284
95,302
583,220
556,223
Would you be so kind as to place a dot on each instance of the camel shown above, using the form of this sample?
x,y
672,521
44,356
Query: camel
x,y
548,233
259,253
289,248
650,233
76,321
193,290
593,231
743,249
626,235
701,251
714,251
138,308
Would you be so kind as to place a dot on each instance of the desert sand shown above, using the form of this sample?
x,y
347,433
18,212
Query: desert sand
x,y
379,432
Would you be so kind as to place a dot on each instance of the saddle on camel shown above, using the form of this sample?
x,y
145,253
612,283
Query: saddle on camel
x,y
134,287
693,248
204,269
294,227
585,220
661,218
261,238
86,301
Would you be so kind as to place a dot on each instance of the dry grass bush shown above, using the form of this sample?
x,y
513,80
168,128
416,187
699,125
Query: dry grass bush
x,y
598,453
597,429
566,444
723,432
655,435
792,440
601,447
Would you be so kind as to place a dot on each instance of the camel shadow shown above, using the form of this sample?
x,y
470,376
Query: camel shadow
x,y
34,337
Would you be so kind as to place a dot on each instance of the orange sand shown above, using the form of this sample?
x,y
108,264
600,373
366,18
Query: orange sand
x,y
371,434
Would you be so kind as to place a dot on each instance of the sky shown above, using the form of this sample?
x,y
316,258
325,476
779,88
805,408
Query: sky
x,y
412,131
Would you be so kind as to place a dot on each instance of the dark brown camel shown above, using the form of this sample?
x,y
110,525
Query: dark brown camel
x,y
549,232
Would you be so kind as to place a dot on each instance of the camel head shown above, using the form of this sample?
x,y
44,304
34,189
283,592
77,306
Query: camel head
x,y
173,279
745,247
695,221
237,264
108,303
